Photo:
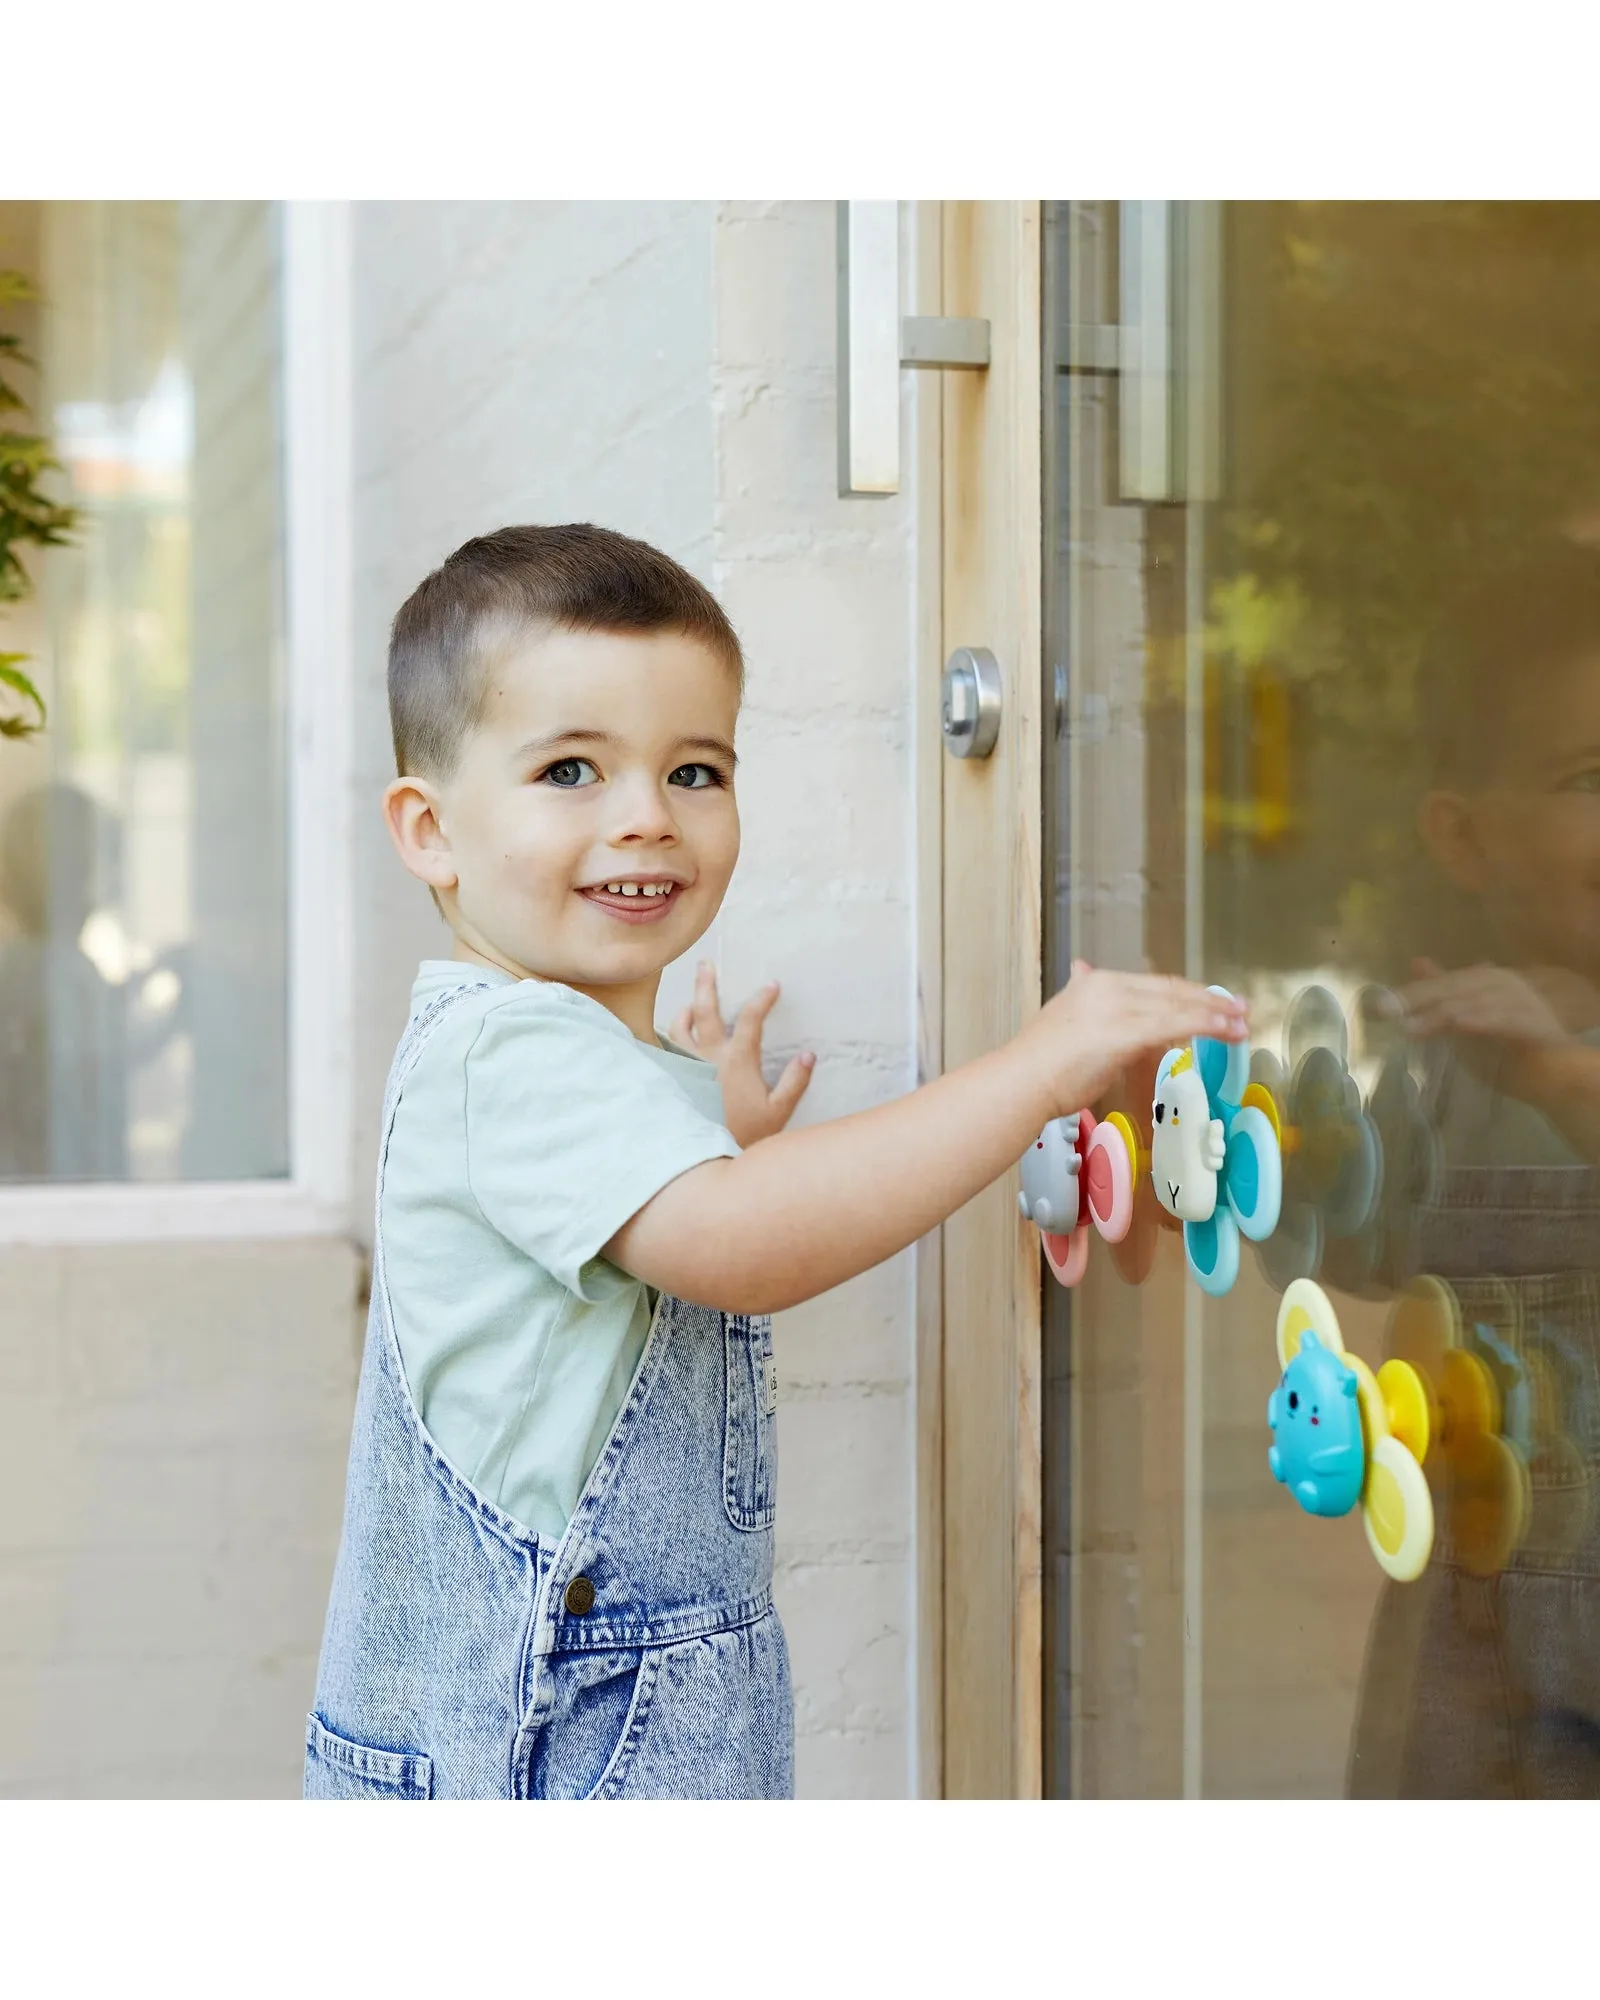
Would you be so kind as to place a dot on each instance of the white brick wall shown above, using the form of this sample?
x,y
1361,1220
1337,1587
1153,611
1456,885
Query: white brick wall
x,y
176,1420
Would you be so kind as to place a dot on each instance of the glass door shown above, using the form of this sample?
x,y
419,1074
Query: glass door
x,y
1322,649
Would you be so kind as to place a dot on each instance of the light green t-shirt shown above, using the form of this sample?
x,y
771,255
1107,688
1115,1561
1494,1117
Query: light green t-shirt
x,y
532,1126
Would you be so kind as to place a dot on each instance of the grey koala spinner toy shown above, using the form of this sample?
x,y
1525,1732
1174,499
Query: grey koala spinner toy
x,y
1049,1197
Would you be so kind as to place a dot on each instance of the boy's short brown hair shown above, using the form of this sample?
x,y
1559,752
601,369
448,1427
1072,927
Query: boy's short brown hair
x,y
497,587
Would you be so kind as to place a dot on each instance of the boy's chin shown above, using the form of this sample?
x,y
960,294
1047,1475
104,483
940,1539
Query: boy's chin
x,y
629,960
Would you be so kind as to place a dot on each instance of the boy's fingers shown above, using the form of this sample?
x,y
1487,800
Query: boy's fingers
x,y
710,1029
791,1086
1184,993
1427,1020
682,1030
1209,1014
747,1028
1448,990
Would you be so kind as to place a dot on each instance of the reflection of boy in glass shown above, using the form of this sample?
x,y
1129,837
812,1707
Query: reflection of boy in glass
x,y
1511,720
1484,1677
62,1112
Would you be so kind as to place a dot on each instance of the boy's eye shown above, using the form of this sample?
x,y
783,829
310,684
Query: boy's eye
x,y
1582,781
568,774
696,777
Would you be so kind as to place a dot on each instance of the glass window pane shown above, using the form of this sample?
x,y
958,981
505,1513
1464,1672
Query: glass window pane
x,y
1325,600
143,1000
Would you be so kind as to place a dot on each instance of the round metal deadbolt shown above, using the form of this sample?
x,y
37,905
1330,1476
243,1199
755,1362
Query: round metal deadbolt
x,y
969,711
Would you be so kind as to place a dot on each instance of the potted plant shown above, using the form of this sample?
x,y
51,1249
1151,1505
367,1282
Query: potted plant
x,y
27,513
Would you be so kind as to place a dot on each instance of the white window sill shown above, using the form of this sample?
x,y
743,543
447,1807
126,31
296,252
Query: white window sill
x,y
174,1212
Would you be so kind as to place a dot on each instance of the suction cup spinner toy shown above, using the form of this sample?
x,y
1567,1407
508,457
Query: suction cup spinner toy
x,y
1333,1179
1215,1158
1482,1484
1079,1170
1343,1436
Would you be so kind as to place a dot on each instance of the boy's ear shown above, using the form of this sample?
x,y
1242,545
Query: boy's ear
x,y
411,812
1449,832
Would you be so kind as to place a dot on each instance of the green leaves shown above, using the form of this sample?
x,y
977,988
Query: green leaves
x,y
28,516
11,676
14,290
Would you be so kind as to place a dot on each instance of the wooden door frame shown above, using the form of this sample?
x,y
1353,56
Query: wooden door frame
x,y
977,441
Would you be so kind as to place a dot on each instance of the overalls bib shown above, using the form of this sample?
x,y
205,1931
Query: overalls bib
x,y
637,1657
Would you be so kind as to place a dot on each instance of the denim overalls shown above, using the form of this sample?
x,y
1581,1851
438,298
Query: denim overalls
x,y
1489,1686
638,1657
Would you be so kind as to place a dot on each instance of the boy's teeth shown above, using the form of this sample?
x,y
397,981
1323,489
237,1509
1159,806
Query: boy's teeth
x,y
638,888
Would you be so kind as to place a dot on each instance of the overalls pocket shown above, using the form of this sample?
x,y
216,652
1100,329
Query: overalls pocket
x,y
750,1431
337,1768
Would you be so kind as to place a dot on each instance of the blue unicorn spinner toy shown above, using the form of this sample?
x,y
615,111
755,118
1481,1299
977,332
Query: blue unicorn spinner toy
x,y
1215,1158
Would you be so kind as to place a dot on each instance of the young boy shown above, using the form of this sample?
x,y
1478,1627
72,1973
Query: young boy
x,y
555,1579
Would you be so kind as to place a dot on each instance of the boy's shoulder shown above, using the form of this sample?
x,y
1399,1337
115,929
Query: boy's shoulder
x,y
502,1032
510,1055
477,992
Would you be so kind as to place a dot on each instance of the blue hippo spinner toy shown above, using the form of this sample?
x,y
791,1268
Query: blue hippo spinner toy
x,y
1215,1157
1315,1414
1344,1437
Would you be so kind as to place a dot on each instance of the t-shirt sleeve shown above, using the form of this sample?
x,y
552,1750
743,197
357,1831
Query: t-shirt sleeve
x,y
571,1129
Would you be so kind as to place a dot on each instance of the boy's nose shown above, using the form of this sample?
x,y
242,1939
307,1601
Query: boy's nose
x,y
643,814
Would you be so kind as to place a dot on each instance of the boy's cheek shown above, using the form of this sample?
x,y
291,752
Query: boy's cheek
x,y
717,851
1532,836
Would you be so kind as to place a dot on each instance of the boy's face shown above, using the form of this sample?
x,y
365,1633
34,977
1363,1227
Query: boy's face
x,y
1527,840
589,832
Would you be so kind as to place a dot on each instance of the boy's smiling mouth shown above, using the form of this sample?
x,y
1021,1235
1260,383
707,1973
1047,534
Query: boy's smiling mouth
x,y
636,899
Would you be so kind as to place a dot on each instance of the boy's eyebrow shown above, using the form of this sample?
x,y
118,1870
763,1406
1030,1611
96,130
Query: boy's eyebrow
x,y
714,744
541,746
1571,759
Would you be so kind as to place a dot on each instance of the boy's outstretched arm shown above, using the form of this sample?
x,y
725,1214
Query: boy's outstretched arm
x,y
802,1211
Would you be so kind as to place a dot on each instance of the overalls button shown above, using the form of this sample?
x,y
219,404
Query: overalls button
x,y
580,1596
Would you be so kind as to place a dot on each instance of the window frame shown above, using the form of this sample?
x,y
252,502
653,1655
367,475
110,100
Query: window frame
x,y
314,1198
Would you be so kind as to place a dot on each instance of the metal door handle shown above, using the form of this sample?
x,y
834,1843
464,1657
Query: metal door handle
x,y
969,706
875,343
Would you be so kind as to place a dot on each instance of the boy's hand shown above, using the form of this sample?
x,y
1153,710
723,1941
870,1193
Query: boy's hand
x,y
750,1111
1101,1021
1491,1000
1506,1020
